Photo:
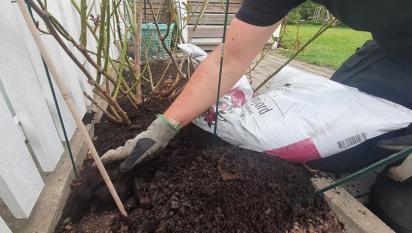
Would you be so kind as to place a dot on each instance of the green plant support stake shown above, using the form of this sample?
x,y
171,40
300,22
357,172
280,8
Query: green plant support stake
x,y
391,159
221,66
69,149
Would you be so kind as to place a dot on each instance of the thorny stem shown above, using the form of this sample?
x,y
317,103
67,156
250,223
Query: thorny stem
x,y
127,91
106,29
150,76
116,19
180,27
321,30
85,52
177,80
163,75
46,18
140,77
162,40
107,44
123,56
169,21
106,49
138,8
90,10
116,6
128,17
83,23
103,10
263,54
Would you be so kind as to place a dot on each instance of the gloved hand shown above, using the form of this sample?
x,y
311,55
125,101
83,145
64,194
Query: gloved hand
x,y
144,146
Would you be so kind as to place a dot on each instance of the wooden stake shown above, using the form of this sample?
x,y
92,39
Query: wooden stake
x,y
69,101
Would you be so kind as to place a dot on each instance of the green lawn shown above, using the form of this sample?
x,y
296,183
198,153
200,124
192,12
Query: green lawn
x,y
330,49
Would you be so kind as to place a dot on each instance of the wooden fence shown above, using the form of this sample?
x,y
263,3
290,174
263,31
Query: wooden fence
x,y
30,131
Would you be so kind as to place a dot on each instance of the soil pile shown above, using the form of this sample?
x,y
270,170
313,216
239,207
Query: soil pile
x,y
198,184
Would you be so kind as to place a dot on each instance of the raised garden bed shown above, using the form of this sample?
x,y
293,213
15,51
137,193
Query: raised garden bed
x,y
198,184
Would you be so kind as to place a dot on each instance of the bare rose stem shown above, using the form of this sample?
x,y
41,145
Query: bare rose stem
x,y
69,101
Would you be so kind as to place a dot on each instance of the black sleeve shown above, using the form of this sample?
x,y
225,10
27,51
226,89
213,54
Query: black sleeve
x,y
265,12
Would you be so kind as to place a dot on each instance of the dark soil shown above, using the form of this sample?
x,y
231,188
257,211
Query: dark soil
x,y
198,184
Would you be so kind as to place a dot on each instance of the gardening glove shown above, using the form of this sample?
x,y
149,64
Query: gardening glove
x,y
144,146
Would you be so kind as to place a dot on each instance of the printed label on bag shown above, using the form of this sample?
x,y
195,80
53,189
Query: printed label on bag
x,y
351,141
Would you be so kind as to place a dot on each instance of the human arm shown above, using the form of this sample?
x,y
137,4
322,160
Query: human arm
x,y
243,42
247,34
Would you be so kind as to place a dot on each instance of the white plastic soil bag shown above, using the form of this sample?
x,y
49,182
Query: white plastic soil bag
x,y
193,51
302,117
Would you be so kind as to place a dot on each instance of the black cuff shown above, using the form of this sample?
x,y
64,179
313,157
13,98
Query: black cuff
x,y
257,19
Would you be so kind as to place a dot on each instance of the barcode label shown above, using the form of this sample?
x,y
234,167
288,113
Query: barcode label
x,y
350,141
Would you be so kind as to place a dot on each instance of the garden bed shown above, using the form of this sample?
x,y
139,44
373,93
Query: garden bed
x,y
197,184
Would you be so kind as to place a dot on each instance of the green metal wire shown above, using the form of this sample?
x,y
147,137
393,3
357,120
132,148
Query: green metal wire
x,y
221,65
391,159
69,149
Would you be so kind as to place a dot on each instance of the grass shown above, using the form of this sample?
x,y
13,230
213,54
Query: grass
x,y
331,49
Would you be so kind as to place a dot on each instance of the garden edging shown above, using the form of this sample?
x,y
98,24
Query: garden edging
x,y
356,217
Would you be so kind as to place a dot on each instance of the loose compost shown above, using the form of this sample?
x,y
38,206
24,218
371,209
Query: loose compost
x,y
199,183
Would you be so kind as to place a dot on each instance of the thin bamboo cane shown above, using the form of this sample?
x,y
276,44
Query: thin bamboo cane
x,y
69,101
